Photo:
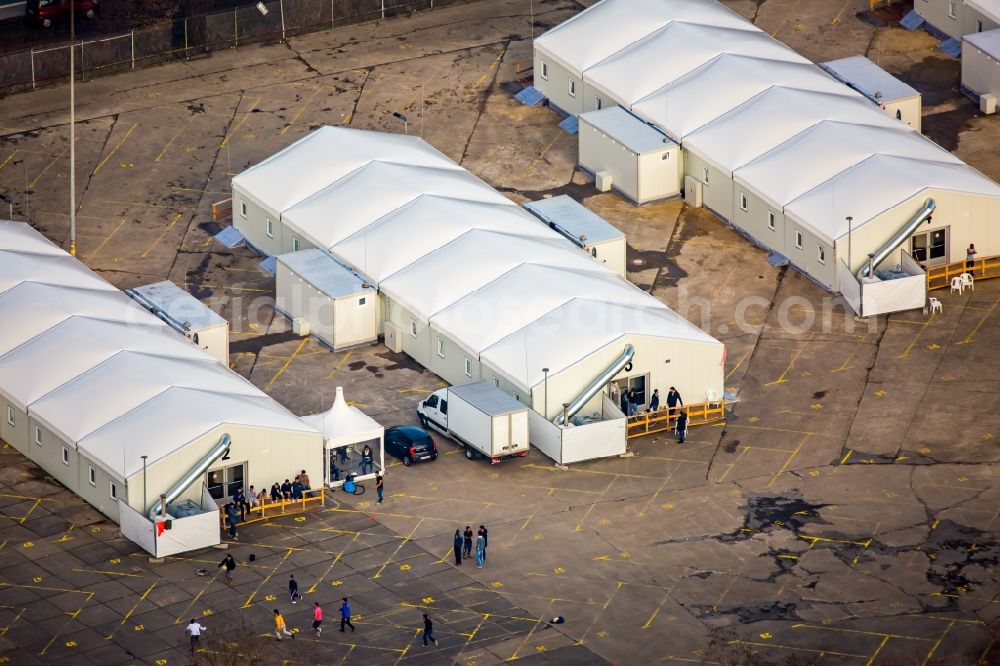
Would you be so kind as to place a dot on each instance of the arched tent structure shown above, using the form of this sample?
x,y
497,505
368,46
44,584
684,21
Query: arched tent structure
x,y
346,426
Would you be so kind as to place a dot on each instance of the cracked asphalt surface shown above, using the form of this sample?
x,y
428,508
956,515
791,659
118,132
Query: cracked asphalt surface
x,y
845,513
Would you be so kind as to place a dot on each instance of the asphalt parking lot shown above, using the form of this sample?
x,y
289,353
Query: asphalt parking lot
x,y
845,513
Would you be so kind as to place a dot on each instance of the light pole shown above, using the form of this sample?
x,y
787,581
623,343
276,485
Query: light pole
x,y
72,130
406,126
144,483
850,266
546,390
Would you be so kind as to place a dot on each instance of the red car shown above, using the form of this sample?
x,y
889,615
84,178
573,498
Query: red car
x,y
47,12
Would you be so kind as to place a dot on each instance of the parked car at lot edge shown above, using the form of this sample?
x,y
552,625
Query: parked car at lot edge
x,y
410,444
48,12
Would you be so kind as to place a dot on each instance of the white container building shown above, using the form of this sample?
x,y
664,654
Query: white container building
x,y
592,233
325,299
897,99
981,68
629,156
186,315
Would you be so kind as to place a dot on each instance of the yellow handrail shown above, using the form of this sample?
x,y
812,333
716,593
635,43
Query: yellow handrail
x,y
701,413
939,277
268,508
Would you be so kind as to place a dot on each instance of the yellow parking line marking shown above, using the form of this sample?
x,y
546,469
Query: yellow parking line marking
x,y
4,163
114,150
836,19
160,237
847,456
305,105
335,560
242,121
41,173
789,461
268,577
656,612
4,630
788,16
32,508
737,366
339,365
936,645
105,241
108,573
982,321
791,364
378,574
913,343
131,610
287,362
170,143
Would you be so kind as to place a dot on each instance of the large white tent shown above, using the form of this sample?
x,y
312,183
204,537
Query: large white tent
x,y
765,133
461,269
95,388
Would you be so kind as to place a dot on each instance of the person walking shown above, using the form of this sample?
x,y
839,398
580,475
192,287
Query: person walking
x,y
230,565
378,485
345,615
293,589
673,399
317,619
429,631
654,402
970,256
467,545
458,547
486,539
480,550
632,408
232,520
194,628
367,460
280,630
240,500
682,426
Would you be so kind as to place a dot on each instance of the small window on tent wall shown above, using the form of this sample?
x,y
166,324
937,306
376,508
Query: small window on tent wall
x,y
545,70
798,239
10,415
113,491
600,103
269,227
770,220
38,436
65,456
243,209
821,254
468,367
744,202
572,88
951,8
91,476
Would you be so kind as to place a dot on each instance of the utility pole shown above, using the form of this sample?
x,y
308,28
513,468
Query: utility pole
x,y
72,129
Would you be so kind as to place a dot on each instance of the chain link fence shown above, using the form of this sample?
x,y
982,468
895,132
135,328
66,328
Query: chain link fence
x,y
197,35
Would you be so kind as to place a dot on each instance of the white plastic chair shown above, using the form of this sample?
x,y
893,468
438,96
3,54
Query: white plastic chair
x,y
936,306
957,285
968,281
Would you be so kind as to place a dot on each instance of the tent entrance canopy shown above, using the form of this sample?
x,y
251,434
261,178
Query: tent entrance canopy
x,y
346,426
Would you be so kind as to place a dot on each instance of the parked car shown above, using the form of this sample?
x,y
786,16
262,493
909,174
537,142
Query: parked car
x,y
410,444
47,12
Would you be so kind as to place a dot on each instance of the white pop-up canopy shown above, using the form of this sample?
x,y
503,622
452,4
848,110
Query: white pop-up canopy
x,y
346,425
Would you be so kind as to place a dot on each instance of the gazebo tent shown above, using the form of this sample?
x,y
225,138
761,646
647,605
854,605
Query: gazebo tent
x,y
346,425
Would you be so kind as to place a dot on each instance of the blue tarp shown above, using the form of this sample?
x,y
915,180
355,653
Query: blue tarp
x,y
912,21
270,265
230,237
952,47
777,260
530,96
570,125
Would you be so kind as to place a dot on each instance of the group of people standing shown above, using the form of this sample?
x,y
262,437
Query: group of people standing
x,y
464,544
675,404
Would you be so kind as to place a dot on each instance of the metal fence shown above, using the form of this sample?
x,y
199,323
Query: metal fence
x,y
194,36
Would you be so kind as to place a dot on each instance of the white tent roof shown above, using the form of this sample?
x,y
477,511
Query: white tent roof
x,y
62,270
127,380
787,171
76,345
677,49
723,84
376,189
431,237
427,224
92,365
773,117
177,417
323,156
567,334
479,257
987,41
747,101
498,309
20,236
31,308
323,272
878,184
344,424
607,27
